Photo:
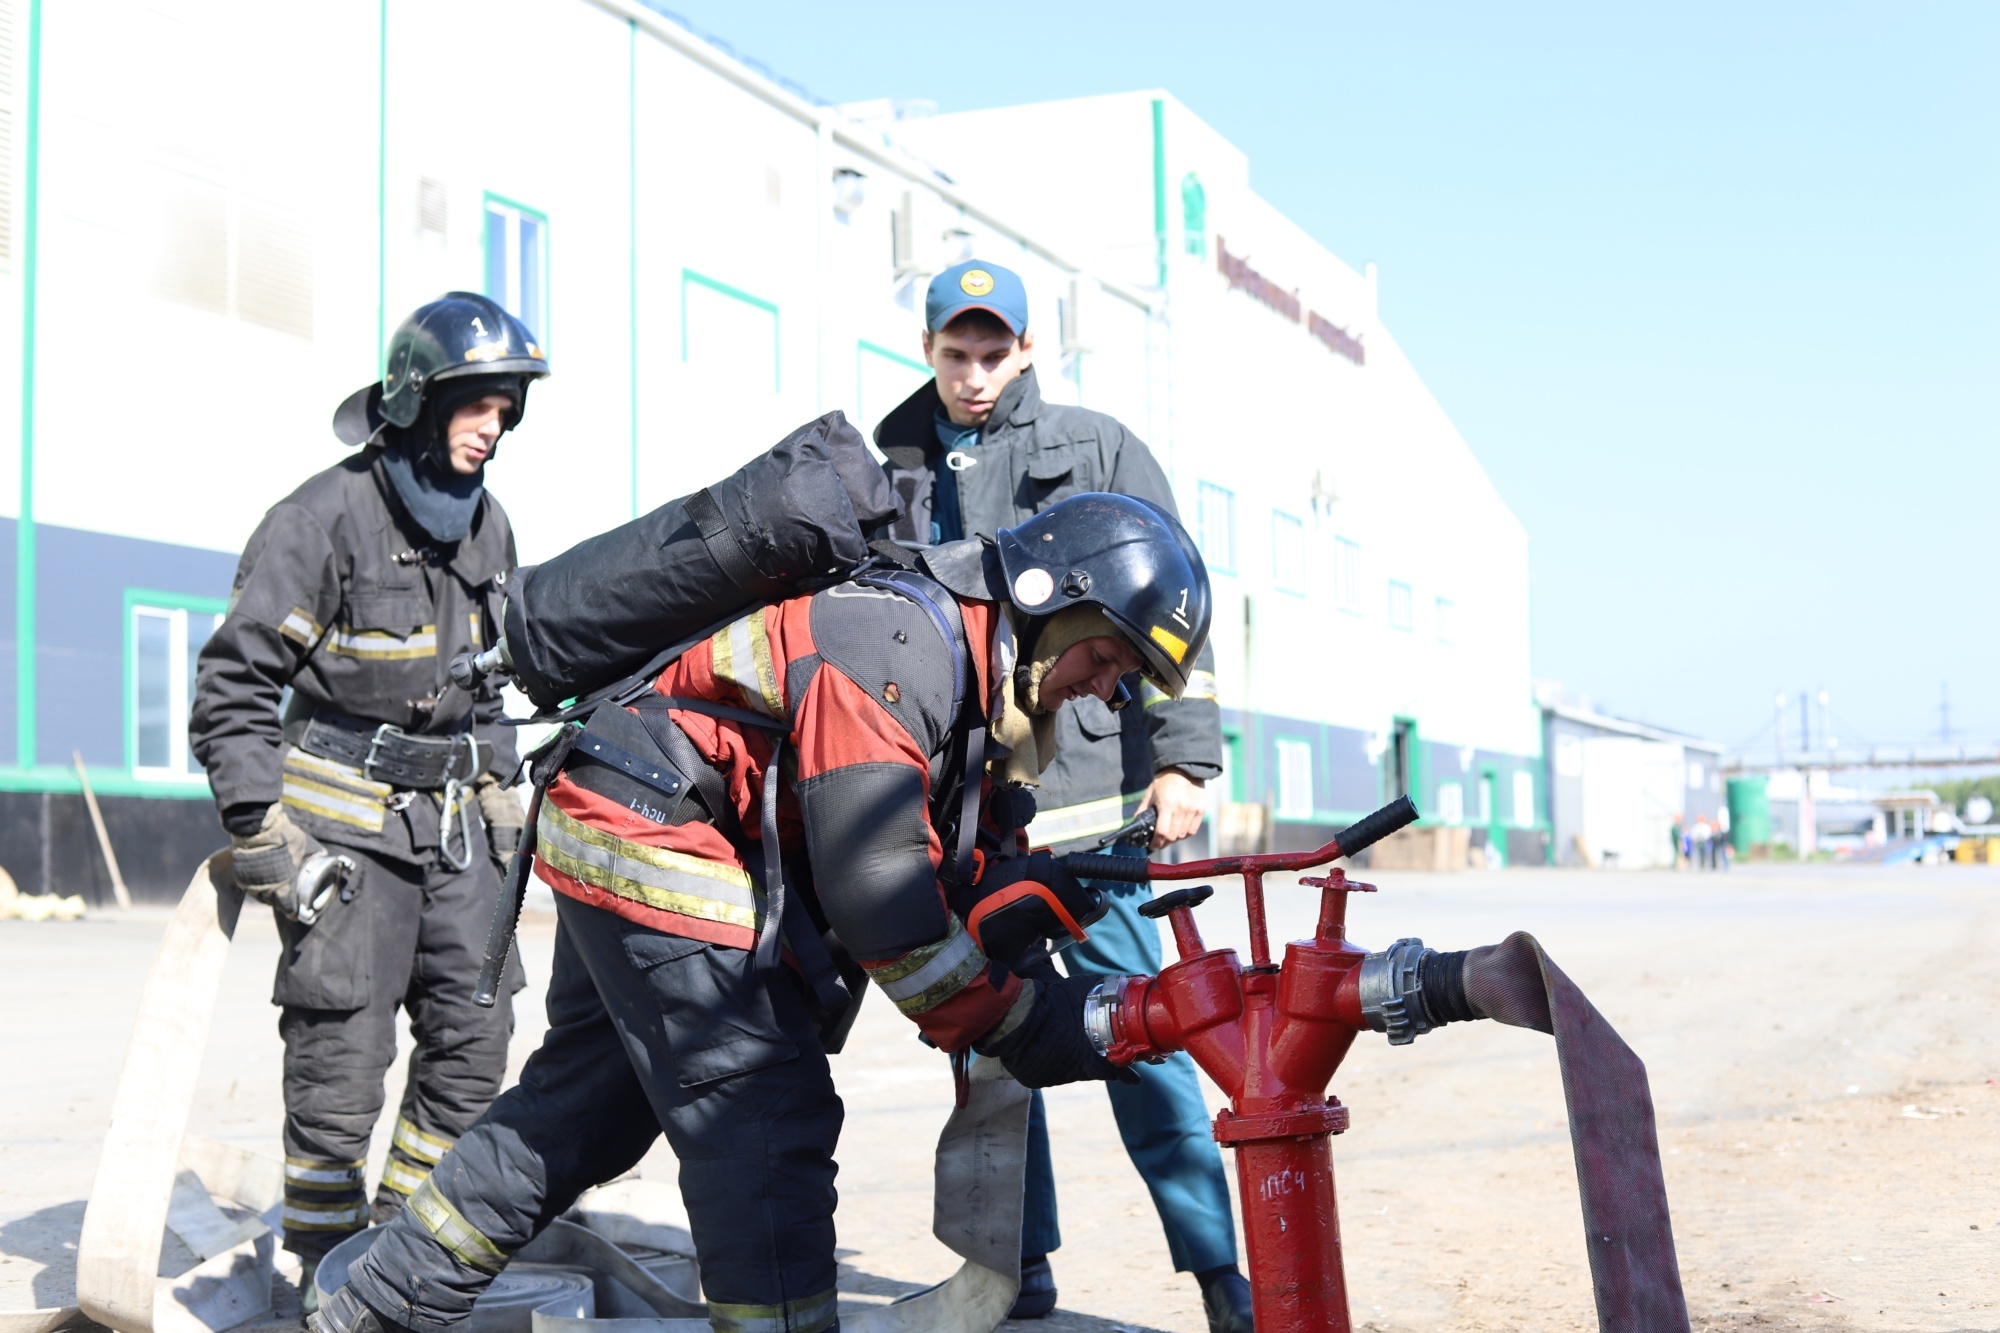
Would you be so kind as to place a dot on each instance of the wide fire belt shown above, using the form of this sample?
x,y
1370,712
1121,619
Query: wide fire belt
x,y
1633,1271
387,753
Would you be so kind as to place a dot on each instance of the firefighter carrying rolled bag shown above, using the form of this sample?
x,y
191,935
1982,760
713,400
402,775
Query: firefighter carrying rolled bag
x,y
810,775
371,814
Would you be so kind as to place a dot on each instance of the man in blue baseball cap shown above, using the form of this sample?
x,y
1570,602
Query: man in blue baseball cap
x,y
976,450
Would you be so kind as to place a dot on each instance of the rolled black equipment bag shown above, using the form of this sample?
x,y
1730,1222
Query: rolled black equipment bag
x,y
796,516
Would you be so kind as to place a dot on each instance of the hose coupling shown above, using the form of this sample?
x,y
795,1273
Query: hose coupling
x,y
1406,990
1100,1013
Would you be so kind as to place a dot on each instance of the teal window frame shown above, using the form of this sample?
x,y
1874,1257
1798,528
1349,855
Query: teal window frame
x,y
151,599
691,278
1220,562
488,203
1347,575
863,348
1291,580
1406,622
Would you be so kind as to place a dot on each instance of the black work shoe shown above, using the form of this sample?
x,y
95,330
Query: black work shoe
x,y
1227,1301
344,1312
1038,1290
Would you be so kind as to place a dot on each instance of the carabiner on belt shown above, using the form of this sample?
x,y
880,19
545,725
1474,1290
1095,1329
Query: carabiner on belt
x,y
454,795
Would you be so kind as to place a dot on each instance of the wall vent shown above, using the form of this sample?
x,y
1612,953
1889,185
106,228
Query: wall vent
x,y
431,207
231,255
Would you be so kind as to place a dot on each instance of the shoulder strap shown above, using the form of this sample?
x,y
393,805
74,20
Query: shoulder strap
x,y
973,756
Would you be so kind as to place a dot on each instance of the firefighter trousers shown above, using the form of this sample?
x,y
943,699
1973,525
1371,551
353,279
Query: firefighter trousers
x,y
400,936
648,1032
1163,1120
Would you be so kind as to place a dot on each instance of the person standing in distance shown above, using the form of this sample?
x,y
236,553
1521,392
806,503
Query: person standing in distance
x,y
355,593
977,450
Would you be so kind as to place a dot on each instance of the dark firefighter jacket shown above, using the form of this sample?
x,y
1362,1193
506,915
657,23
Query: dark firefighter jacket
x,y
341,597
861,683
1031,455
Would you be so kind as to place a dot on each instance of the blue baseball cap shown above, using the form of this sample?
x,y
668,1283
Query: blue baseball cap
x,y
977,285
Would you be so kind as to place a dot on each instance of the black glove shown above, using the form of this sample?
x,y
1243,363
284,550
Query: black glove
x,y
1007,921
1049,1047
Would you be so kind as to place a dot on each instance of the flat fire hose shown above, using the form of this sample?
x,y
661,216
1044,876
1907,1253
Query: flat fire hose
x,y
143,1182
1634,1274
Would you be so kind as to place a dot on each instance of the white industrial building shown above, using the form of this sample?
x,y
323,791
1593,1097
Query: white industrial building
x,y
216,209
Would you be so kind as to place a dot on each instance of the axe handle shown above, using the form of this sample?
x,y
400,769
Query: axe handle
x,y
507,911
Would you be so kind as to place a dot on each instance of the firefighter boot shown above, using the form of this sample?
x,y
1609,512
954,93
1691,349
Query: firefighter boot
x,y
344,1312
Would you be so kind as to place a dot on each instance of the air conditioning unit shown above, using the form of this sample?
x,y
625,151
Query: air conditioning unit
x,y
903,222
1072,318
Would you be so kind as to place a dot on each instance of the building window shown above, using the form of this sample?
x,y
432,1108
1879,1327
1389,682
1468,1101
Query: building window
x,y
161,646
517,262
1347,575
1288,552
1215,516
1451,802
1295,780
1524,799
1447,614
1399,605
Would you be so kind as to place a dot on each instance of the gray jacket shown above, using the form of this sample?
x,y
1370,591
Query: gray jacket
x,y
1031,455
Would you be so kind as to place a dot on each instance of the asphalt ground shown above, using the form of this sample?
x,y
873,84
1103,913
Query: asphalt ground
x,y
1823,1044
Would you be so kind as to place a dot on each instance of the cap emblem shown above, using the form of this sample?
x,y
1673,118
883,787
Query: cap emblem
x,y
975,282
1034,587
1175,645
486,352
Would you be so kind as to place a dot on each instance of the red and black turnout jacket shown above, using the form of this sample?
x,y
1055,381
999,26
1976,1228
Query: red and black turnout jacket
x,y
861,680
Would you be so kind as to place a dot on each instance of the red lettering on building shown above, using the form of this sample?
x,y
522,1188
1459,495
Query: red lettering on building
x,y
1240,274
1237,271
1337,339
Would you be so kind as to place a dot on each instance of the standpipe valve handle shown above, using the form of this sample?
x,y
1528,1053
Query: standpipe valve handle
x,y
1167,902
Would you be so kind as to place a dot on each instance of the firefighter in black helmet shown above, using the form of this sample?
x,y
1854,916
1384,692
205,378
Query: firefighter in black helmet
x,y
356,591
866,704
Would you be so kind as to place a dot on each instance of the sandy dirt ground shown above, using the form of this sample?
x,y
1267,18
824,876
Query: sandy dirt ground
x,y
1823,1045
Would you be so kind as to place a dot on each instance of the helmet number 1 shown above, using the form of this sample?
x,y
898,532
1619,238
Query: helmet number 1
x,y
1180,612
478,328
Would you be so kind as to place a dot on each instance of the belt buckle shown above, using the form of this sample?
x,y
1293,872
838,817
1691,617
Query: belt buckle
x,y
375,748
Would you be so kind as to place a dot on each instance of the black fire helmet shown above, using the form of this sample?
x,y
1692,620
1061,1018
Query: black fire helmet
x,y
1130,558
460,333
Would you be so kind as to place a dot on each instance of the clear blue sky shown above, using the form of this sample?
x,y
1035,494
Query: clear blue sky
x,y
1711,289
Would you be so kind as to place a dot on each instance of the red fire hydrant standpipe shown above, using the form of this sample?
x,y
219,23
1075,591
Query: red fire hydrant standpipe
x,y
1271,1037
